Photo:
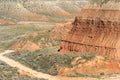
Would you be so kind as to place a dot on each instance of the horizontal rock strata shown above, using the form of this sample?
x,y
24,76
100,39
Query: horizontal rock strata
x,y
95,31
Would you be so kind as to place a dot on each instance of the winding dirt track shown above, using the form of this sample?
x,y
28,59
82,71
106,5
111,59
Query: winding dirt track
x,y
36,74
16,64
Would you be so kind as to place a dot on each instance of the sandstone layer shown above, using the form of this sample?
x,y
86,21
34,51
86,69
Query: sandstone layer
x,y
95,30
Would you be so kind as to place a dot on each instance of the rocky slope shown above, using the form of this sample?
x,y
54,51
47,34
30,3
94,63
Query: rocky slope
x,y
95,30
13,11
45,10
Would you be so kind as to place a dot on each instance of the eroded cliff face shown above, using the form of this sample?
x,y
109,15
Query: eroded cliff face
x,y
95,31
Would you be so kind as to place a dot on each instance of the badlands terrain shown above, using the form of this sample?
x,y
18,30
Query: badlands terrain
x,y
59,39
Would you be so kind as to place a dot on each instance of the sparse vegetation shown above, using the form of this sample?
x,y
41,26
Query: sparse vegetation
x,y
48,61
41,39
9,33
17,10
7,72
101,2
84,75
102,76
89,56
45,60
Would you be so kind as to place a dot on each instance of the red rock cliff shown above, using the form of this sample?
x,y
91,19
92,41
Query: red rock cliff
x,y
94,31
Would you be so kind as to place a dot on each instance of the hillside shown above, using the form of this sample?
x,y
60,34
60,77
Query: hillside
x,y
13,11
104,4
26,10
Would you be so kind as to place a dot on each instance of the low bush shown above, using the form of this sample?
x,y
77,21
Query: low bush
x,y
9,73
44,60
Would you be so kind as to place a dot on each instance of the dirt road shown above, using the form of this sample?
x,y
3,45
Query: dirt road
x,y
16,64
36,74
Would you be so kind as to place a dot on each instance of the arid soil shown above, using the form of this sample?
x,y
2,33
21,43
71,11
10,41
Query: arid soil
x,y
6,22
30,46
96,66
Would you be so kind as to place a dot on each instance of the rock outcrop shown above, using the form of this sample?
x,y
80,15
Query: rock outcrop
x,y
95,30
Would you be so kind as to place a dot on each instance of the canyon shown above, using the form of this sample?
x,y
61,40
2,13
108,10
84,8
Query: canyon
x,y
47,42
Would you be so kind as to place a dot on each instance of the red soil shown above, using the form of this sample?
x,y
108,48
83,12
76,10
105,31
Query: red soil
x,y
30,46
96,66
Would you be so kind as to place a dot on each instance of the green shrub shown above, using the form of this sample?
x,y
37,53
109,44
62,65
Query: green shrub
x,y
10,73
88,56
45,60
101,2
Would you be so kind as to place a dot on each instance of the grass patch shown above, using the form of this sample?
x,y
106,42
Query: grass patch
x,y
88,56
11,31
